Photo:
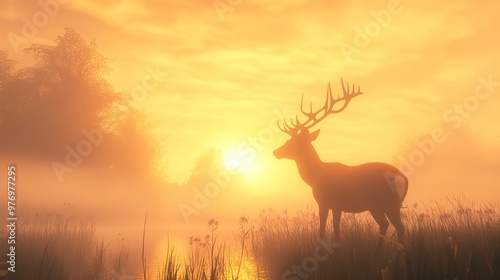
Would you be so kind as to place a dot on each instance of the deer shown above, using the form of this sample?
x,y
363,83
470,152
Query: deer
x,y
376,187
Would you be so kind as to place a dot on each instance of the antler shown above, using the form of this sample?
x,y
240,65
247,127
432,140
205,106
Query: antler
x,y
313,118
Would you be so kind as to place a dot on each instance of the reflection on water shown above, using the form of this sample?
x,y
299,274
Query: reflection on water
x,y
160,242
249,269
162,248
240,265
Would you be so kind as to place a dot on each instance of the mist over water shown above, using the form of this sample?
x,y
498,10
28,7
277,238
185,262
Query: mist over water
x,y
116,207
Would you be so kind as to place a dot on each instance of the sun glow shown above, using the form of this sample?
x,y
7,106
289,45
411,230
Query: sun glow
x,y
234,160
249,167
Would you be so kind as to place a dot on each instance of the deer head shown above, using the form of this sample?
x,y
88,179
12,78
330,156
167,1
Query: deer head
x,y
299,144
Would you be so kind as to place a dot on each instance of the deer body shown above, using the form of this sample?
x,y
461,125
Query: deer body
x,y
376,187
353,189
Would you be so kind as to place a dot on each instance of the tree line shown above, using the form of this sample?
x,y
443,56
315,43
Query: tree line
x,y
49,109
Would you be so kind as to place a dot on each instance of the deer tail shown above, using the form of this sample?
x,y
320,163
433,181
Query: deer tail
x,y
397,183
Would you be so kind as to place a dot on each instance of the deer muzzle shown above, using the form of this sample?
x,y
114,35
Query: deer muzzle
x,y
278,153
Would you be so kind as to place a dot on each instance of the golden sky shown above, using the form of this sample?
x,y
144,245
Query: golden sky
x,y
423,67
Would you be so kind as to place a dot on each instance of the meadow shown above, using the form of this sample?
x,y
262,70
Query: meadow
x,y
453,239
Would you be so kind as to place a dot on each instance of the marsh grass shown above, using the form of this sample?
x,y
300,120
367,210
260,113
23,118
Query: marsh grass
x,y
211,259
454,239
57,246
447,240
206,259
171,266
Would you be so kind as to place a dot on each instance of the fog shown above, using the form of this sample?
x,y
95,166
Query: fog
x,y
117,157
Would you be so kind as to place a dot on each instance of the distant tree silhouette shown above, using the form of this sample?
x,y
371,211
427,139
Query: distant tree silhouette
x,y
6,76
6,67
46,107
209,161
208,164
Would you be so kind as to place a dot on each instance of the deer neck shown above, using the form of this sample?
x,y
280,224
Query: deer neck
x,y
309,166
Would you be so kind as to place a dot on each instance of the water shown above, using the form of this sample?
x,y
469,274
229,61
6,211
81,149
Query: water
x,y
160,240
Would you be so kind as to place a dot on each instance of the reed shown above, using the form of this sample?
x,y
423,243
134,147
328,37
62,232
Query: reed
x,y
452,239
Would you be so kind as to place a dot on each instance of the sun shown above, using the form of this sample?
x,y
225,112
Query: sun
x,y
256,169
234,160
247,166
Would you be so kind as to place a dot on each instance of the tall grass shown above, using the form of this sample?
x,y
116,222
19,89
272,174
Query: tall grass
x,y
449,240
452,241
206,259
57,246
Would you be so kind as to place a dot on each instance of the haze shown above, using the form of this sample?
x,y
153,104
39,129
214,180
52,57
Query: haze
x,y
221,76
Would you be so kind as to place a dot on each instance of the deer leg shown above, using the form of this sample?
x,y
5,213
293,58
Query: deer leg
x,y
395,218
336,225
382,222
323,215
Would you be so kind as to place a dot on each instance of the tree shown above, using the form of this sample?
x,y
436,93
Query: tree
x,y
6,67
210,160
208,163
46,108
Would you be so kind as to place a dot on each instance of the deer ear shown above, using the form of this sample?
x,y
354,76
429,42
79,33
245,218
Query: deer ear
x,y
313,135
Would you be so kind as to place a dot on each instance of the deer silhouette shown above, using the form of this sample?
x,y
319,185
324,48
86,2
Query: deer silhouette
x,y
376,187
